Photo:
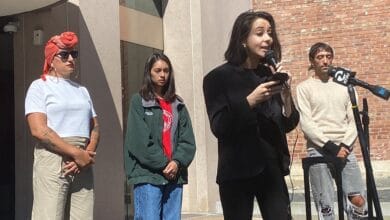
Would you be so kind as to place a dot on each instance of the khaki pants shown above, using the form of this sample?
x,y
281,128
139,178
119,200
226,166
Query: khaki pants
x,y
57,197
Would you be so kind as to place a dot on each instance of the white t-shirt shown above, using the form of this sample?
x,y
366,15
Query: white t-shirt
x,y
67,105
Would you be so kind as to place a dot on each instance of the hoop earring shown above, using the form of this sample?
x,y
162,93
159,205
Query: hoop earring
x,y
55,73
53,69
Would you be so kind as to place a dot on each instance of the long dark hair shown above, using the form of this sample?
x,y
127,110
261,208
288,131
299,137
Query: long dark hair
x,y
147,88
235,52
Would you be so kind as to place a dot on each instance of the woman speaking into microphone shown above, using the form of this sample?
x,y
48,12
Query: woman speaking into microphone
x,y
250,116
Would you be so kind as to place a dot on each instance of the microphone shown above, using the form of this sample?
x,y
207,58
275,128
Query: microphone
x,y
345,77
340,75
270,58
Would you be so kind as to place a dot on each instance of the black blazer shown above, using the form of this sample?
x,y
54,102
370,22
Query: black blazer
x,y
246,137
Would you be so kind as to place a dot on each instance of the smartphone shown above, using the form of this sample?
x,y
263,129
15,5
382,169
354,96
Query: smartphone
x,y
282,77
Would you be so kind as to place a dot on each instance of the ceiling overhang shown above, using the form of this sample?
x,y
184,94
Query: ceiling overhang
x,y
12,7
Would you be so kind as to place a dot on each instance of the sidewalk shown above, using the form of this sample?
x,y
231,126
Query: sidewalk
x,y
382,180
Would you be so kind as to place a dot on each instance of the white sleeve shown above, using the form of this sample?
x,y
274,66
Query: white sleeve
x,y
90,102
35,99
310,129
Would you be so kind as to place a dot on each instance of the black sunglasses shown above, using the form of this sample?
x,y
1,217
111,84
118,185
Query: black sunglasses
x,y
64,55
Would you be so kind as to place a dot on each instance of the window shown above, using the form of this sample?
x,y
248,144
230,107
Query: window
x,y
152,7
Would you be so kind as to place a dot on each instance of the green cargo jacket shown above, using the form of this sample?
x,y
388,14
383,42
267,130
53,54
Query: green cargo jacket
x,y
144,156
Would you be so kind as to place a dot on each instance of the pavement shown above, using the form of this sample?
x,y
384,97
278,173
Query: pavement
x,y
295,184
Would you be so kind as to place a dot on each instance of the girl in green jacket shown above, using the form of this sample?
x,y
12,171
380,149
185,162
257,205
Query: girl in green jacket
x,y
159,144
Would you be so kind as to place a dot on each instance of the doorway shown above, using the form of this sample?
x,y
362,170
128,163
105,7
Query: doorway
x,y
7,127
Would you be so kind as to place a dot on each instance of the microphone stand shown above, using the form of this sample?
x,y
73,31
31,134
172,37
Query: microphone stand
x,y
372,194
366,122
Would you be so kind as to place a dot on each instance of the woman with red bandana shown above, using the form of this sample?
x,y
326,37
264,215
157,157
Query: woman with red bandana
x,y
61,117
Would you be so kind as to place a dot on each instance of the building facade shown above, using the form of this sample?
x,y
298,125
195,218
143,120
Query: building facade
x,y
115,39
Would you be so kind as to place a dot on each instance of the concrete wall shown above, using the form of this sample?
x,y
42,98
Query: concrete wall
x,y
196,35
99,70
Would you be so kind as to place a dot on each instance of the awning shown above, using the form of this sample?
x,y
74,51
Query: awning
x,y
11,7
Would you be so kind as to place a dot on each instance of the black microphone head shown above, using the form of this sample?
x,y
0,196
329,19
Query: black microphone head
x,y
270,58
332,71
269,54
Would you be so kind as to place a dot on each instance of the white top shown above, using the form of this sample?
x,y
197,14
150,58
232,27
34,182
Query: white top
x,y
67,105
325,113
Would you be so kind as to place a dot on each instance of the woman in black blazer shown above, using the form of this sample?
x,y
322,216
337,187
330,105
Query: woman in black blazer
x,y
250,115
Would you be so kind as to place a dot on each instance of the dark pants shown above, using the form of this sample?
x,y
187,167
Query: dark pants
x,y
270,190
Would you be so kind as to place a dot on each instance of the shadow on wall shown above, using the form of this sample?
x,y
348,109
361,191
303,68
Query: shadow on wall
x,y
109,168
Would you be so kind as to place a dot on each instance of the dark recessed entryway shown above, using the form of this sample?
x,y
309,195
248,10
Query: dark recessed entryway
x,y
7,128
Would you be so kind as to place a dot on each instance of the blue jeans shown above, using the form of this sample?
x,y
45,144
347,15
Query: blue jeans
x,y
321,180
157,202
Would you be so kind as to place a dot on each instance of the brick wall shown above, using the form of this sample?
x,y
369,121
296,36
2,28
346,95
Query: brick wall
x,y
359,31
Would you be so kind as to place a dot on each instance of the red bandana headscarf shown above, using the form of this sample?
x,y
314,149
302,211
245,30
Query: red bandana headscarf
x,y
66,40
